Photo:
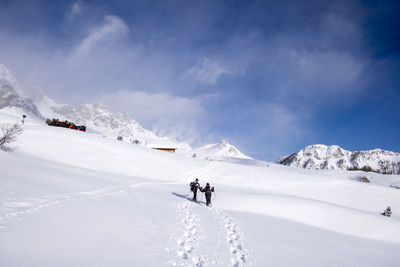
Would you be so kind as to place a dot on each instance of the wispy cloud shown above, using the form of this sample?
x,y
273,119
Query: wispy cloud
x,y
112,26
208,70
74,10
271,128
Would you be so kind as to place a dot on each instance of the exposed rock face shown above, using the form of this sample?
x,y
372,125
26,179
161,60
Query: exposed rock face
x,y
322,157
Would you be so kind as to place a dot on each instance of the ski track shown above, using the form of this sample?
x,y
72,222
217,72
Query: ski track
x,y
16,209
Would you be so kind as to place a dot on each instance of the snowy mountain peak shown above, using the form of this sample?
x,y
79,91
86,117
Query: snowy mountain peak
x,y
221,149
223,143
322,157
229,150
97,118
11,98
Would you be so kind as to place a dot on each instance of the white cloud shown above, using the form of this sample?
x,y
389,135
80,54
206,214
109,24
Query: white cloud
x,y
208,71
111,26
278,128
337,70
279,122
74,10
165,114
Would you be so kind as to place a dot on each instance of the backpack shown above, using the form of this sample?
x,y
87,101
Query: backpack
x,y
208,189
192,186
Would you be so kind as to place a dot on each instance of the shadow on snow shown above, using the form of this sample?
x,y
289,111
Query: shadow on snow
x,y
188,198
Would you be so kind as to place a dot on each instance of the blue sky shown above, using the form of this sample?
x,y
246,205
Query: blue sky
x,y
269,77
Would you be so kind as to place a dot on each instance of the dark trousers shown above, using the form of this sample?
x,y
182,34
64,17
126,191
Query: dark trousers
x,y
208,199
195,195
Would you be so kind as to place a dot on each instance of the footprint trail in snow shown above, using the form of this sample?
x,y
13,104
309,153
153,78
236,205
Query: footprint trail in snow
x,y
234,240
188,238
195,244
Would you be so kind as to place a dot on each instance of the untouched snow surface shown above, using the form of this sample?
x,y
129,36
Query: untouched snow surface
x,y
78,199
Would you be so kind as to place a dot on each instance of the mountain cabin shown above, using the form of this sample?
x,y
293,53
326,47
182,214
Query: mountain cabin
x,y
163,145
167,149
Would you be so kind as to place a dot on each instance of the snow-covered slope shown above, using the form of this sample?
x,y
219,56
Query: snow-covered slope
x,y
219,150
322,157
69,198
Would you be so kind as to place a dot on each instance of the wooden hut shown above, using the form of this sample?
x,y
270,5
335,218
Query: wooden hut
x,y
168,149
163,146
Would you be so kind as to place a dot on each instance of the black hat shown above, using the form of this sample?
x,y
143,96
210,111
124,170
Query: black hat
x,y
208,184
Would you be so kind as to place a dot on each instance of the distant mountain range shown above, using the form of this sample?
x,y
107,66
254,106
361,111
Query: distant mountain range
x,y
98,119
322,157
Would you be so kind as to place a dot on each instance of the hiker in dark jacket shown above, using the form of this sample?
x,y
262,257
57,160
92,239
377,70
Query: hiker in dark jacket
x,y
387,212
193,187
207,192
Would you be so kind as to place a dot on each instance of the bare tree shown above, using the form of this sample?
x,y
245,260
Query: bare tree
x,y
10,134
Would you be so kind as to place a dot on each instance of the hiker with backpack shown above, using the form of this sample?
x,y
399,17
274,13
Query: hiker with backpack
x,y
193,187
387,212
207,192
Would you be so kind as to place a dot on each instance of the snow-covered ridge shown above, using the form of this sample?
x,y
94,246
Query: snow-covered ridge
x,y
9,98
97,118
322,157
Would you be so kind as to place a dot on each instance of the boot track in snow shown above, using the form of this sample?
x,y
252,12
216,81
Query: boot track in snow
x,y
188,238
233,237
191,244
